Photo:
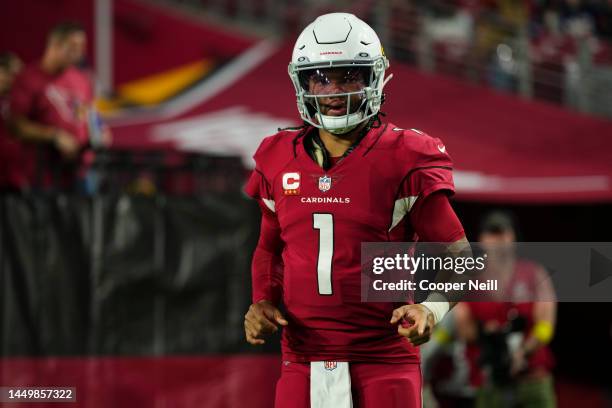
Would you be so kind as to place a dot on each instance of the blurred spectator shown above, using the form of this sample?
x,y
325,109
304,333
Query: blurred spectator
x,y
51,107
508,341
11,175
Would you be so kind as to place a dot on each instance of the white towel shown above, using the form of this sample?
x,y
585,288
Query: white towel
x,y
330,385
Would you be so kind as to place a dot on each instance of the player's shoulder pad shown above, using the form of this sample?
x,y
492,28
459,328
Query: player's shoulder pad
x,y
425,150
274,152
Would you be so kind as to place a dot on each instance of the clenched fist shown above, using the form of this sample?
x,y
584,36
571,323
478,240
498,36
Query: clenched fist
x,y
262,319
421,321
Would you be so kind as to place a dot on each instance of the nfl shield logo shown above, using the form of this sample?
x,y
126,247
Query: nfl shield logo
x,y
324,183
330,365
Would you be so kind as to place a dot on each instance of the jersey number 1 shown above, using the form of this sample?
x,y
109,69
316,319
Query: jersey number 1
x,y
325,224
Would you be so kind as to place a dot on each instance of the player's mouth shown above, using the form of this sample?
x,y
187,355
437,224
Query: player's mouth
x,y
335,109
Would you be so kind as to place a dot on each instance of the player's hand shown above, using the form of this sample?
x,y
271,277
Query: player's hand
x,y
66,144
262,319
518,363
421,321
107,137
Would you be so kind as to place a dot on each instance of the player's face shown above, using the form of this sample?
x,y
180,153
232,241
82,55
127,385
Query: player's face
x,y
334,81
498,245
497,238
72,48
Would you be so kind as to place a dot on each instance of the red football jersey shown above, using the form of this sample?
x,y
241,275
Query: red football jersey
x,y
324,216
61,101
55,100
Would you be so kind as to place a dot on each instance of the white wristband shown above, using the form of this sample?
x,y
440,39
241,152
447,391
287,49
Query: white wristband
x,y
438,305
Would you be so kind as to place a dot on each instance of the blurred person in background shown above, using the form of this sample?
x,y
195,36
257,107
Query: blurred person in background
x,y
13,173
508,342
51,106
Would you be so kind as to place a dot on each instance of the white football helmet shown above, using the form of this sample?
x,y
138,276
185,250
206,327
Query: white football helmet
x,y
338,40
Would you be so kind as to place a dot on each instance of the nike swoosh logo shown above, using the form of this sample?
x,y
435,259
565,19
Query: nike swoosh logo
x,y
442,149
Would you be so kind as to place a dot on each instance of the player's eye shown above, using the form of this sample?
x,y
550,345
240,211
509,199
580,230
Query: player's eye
x,y
313,77
352,75
319,77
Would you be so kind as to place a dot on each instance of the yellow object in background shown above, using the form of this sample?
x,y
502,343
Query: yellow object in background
x,y
543,331
157,88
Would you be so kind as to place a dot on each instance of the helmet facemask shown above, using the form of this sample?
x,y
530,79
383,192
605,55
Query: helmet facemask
x,y
361,104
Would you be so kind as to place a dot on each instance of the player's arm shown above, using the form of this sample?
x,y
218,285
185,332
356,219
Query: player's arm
x,y
30,131
21,102
263,316
434,220
544,315
465,325
544,318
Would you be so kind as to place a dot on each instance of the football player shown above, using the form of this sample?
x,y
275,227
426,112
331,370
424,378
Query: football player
x,y
344,178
